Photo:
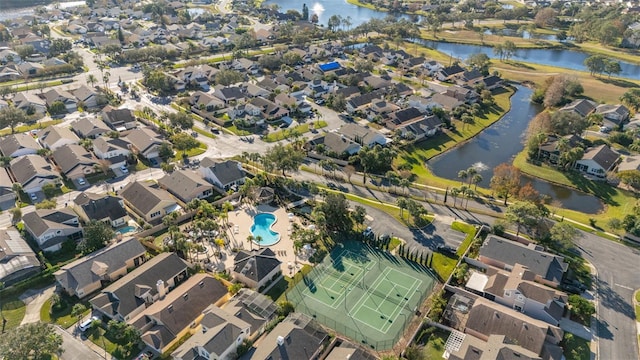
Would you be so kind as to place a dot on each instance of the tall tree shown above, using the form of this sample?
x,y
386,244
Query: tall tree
x,y
31,341
631,98
505,181
334,211
96,236
283,158
184,142
523,214
563,235
11,117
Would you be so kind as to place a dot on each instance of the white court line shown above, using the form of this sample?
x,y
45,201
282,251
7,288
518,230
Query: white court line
x,y
366,295
337,299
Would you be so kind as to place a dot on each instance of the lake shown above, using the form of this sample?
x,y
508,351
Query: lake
x,y
564,58
14,13
327,8
498,144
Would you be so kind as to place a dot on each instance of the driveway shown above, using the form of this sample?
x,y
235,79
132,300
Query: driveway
x,y
34,299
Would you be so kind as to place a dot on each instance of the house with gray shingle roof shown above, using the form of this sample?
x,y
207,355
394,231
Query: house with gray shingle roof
x,y
90,127
148,201
30,103
257,267
115,151
186,185
166,321
32,172
218,338
52,137
131,294
101,207
582,107
50,228
224,175
505,254
20,144
86,95
598,161
74,161
85,275
119,119
296,337
54,95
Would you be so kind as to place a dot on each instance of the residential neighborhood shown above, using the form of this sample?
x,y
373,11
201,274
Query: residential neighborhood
x,y
361,180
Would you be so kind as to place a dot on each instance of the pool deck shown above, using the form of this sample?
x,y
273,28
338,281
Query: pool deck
x,y
240,221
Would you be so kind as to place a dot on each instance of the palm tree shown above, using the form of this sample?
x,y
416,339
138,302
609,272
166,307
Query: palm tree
x,y
475,179
405,184
258,240
91,79
454,193
402,204
470,172
250,240
463,174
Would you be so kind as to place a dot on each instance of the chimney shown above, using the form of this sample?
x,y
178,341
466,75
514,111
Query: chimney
x,y
280,340
162,291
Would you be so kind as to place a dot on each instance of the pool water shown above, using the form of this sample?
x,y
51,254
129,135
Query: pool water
x,y
262,227
127,229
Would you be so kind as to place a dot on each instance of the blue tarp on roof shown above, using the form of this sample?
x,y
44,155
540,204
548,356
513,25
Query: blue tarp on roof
x,y
329,66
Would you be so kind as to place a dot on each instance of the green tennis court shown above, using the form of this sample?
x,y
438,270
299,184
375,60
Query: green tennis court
x,y
362,293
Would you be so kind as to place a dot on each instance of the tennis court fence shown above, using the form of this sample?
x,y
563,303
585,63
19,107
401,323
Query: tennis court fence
x,y
347,327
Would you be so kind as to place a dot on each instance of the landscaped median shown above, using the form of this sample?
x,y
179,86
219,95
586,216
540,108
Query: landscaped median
x,y
296,130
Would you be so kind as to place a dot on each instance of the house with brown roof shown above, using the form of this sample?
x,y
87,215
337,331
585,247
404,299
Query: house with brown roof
x,y
166,321
486,318
582,107
148,201
19,144
186,185
33,172
50,228
223,174
90,127
75,161
7,195
87,274
518,290
256,268
598,161
296,337
52,137
57,95
86,95
30,103
145,142
127,297
219,336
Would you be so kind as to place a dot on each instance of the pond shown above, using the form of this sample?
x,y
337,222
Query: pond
x,y
564,58
327,8
498,144
14,13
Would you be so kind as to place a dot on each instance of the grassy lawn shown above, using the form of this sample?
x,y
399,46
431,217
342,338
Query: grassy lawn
x,y
443,265
63,317
637,312
300,129
97,337
618,202
575,348
234,130
203,132
13,310
463,36
25,128
193,152
418,154
277,291
638,296
434,346
394,243
468,229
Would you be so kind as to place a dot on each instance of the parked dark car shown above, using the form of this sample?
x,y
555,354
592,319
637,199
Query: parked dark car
x,y
447,250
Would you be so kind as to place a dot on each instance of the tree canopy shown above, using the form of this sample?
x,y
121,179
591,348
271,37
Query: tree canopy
x,y
96,236
283,157
30,341
505,181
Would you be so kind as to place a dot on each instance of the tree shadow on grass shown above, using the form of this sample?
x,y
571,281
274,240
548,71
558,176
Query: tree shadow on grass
x,y
618,82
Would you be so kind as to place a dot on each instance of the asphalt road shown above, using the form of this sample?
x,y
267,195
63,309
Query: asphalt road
x,y
74,349
618,267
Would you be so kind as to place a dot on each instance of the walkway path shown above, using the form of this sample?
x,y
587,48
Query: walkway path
x,y
34,299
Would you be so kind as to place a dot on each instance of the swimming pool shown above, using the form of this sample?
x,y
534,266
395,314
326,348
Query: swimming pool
x,y
262,227
127,229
